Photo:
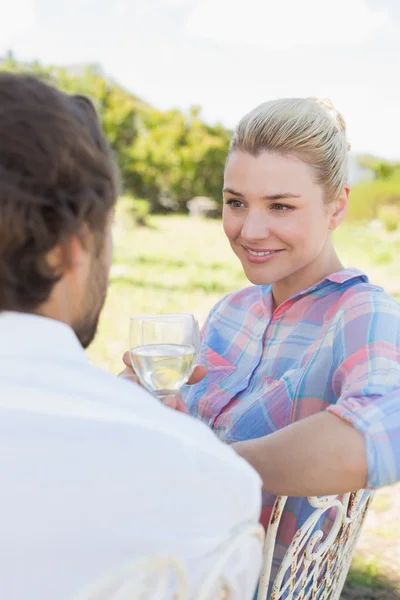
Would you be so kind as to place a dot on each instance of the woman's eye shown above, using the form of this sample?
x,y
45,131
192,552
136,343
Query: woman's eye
x,y
280,207
235,203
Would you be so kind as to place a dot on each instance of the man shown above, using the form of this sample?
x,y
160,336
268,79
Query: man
x,y
94,473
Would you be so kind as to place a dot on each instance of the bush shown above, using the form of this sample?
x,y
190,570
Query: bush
x,y
141,210
389,216
132,212
366,199
165,157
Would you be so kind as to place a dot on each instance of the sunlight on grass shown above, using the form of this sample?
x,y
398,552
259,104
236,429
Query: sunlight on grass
x,y
177,265
367,572
380,503
180,264
373,251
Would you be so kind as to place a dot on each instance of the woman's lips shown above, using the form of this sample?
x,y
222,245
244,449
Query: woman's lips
x,y
259,256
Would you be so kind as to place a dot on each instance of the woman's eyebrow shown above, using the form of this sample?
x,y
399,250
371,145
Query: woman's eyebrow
x,y
231,191
279,196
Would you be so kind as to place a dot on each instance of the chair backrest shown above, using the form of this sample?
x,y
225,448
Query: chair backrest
x,y
315,564
156,578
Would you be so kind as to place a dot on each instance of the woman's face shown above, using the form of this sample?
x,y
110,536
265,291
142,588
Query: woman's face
x,y
276,219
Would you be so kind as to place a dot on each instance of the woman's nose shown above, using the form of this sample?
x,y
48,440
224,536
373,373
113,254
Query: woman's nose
x,y
255,227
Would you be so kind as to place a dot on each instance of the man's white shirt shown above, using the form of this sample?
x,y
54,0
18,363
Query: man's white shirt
x,y
95,473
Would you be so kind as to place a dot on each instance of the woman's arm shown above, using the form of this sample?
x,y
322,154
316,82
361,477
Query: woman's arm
x,y
355,443
318,456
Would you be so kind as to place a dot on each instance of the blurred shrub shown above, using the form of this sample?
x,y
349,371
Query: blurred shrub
x,y
367,198
170,157
382,169
389,216
131,212
165,157
176,157
383,258
140,209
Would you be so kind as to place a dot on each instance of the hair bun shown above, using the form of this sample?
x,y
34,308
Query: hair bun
x,y
327,105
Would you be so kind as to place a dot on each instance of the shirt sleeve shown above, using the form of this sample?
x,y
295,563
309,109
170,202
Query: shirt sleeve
x,y
366,381
200,388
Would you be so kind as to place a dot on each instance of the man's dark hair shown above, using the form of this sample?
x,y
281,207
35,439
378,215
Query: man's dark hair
x,y
57,178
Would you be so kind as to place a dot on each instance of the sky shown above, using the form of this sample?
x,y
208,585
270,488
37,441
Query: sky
x,y
229,55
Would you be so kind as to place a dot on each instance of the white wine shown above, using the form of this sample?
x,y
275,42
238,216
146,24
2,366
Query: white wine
x,y
163,367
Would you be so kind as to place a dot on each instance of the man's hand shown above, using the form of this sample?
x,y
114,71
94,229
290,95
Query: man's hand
x,y
175,402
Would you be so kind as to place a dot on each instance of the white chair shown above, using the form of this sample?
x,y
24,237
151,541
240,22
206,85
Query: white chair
x,y
314,567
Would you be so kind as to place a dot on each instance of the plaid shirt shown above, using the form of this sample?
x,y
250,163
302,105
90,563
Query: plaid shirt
x,y
335,346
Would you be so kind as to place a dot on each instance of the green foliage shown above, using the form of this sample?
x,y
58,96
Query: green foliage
x,y
165,157
131,212
141,210
389,216
368,572
382,169
169,157
141,207
379,199
176,157
367,198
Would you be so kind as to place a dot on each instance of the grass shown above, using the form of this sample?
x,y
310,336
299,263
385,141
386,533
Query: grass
x,y
377,560
176,265
180,264
368,198
366,581
366,572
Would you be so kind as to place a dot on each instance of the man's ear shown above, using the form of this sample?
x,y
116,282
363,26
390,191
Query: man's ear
x,y
68,255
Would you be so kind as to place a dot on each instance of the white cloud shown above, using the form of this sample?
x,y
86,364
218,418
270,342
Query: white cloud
x,y
17,17
173,3
285,24
123,8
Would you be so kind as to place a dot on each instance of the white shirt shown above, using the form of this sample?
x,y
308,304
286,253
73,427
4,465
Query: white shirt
x,y
95,472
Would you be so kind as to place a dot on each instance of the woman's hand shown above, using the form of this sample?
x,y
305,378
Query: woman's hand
x,y
175,402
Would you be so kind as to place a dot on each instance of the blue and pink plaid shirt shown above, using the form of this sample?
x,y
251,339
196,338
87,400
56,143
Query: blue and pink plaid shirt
x,y
335,346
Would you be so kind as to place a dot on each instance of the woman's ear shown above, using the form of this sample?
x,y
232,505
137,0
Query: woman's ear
x,y
339,208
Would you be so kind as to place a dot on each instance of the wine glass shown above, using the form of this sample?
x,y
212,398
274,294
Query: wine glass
x,y
163,351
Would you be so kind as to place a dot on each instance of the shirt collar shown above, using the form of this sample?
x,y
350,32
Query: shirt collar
x,y
340,278
28,335
345,275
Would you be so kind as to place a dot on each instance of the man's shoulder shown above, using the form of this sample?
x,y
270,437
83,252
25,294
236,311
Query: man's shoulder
x,y
101,396
90,399
72,388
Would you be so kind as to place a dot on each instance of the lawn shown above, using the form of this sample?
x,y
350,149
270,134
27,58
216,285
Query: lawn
x,y
178,264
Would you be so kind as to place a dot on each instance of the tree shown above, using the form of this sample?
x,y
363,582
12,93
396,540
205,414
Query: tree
x,y
382,169
165,157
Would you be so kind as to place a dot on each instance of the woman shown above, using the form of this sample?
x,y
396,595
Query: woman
x,y
303,367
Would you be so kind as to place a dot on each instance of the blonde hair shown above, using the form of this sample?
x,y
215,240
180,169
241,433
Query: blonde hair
x,y
308,128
